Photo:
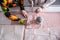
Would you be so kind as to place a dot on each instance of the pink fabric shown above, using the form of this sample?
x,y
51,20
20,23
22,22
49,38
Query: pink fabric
x,y
51,19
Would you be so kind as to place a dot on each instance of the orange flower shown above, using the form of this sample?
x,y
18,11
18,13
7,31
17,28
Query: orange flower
x,y
14,5
12,17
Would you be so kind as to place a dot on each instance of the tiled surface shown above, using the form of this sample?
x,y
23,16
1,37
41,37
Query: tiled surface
x,y
50,30
16,31
3,19
43,34
11,32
